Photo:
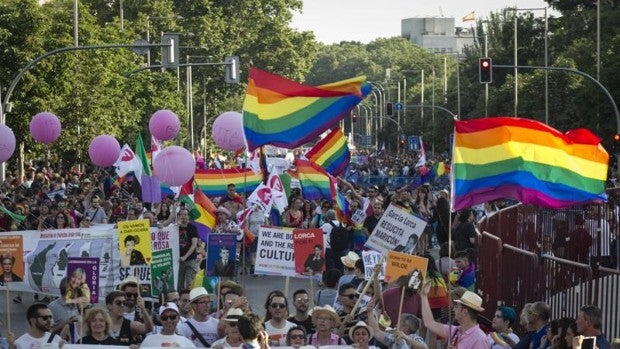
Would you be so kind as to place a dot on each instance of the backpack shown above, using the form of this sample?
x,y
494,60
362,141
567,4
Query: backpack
x,y
339,237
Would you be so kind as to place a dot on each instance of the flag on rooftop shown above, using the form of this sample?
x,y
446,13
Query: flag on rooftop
x,y
332,153
288,114
469,17
502,157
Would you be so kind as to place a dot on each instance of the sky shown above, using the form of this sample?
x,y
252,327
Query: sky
x,y
333,21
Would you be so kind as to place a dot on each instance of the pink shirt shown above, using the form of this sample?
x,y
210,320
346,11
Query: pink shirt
x,y
474,338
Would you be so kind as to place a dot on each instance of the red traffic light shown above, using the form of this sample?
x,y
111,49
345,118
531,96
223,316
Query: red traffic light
x,y
354,117
485,70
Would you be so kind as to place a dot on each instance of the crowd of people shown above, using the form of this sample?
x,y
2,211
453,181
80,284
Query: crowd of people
x,y
443,310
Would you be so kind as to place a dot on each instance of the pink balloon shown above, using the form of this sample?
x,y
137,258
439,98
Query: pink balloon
x,y
7,143
104,150
164,125
174,165
228,131
45,127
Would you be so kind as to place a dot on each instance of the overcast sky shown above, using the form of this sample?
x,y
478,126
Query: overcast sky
x,y
333,21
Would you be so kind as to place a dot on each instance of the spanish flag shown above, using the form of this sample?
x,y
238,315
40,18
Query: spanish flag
x,y
470,17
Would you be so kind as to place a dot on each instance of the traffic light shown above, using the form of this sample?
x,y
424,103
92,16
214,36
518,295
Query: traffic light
x,y
353,117
616,143
389,109
485,70
232,69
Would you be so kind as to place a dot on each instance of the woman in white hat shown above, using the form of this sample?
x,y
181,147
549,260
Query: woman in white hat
x,y
361,335
224,225
325,320
233,338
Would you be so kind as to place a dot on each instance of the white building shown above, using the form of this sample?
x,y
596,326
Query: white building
x,y
437,35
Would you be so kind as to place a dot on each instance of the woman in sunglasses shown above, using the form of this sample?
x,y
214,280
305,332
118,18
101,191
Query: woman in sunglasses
x,y
296,337
233,338
169,318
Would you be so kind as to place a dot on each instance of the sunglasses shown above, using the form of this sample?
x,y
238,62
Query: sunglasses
x,y
131,295
119,303
350,296
278,305
169,317
297,336
45,317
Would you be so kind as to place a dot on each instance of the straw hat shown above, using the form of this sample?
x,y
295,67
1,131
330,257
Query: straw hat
x,y
223,210
358,325
350,259
130,280
197,293
326,310
471,300
233,315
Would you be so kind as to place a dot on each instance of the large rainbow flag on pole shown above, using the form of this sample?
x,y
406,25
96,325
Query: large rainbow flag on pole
x,y
332,153
501,157
315,182
288,114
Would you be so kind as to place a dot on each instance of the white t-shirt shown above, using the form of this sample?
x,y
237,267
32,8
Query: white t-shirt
x,y
26,341
277,336
162,340
327,229
224,344
207,329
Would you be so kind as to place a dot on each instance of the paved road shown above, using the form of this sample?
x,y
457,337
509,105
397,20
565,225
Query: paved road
x,y
256,289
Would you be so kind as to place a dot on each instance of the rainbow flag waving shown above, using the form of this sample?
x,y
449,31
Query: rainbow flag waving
x,y
527,160
288,114
315,182
213,182
332,153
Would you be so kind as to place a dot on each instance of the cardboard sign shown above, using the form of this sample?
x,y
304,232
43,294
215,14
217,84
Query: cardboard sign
x,y
135,242
82,280
309,251
397,230
274,255
400,265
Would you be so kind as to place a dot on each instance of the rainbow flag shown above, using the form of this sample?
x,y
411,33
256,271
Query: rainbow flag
x,y
288,114
315,182
527,160
332,153
213,182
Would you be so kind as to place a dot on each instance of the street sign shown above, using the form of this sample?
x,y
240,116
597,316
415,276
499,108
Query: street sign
x,y
414,143
398,106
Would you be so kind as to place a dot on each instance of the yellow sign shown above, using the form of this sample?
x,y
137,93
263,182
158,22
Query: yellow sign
x,y
400,265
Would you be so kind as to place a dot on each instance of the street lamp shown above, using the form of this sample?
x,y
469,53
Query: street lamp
x,y
516,90
189,92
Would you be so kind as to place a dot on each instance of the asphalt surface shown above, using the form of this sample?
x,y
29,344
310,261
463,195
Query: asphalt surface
x,y
256,290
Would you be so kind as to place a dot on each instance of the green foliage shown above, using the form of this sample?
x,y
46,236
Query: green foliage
x,y
101,91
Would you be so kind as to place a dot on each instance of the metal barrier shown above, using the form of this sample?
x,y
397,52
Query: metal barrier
x,y
526,256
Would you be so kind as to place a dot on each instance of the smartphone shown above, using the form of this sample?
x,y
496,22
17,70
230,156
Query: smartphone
x,y
588,343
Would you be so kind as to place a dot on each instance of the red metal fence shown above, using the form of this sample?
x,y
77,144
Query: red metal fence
x,y
526,255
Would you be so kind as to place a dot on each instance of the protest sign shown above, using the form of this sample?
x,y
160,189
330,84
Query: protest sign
x,y
162,278
274,255
221,254
371,258
135,241
308,251
82,280
11,252
397,230
401,265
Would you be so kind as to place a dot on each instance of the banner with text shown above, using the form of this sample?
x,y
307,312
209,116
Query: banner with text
x,y
371,258
397,230
274,255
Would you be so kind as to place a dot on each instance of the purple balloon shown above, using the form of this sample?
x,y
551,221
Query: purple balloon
x,y
228,131
45,127
164,125
104,150
7,143
174,165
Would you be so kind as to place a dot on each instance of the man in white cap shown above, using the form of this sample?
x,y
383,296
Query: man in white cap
x,y
466,309
201,329
169,317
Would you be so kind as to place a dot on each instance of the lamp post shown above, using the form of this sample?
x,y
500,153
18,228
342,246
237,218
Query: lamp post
x,y
516,89
189,96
